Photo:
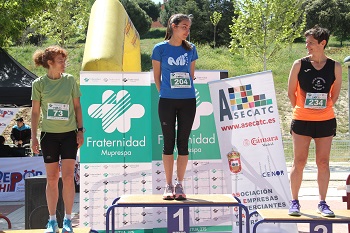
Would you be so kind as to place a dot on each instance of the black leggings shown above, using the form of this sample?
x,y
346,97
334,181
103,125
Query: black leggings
x,y
184,110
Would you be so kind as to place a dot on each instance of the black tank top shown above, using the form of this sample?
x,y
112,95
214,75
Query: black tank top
x,y
316,81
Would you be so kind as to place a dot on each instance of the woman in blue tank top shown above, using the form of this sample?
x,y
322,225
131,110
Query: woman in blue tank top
x,y
173,67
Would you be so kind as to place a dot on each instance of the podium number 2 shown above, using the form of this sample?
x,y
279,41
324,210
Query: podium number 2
x,y
322,228
180,215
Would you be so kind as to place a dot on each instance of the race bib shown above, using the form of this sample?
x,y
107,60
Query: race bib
x,y
180,80
57,111
316,100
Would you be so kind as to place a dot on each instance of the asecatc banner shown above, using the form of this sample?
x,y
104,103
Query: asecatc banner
x,y
248,129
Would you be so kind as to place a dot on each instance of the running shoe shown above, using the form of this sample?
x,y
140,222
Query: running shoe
x,y
52,227
324,210
294,208
67,226
179,193
168,192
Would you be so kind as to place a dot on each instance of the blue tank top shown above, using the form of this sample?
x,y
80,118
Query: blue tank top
x,y
174,59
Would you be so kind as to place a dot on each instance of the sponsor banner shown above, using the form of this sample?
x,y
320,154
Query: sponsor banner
x,y
248,127
117,117
6,115
102,183
116,155
13,171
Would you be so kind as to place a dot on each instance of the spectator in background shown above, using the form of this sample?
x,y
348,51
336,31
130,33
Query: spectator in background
x,y
5,150
21,133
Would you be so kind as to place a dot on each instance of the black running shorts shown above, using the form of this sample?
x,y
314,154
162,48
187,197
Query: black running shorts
x,y
314,129
56,145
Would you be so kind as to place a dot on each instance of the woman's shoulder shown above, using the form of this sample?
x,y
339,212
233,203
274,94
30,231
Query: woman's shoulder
x,y
67,76
162,44
39,80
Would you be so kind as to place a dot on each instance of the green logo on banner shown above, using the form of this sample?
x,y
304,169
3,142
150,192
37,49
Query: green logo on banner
x,y
116,111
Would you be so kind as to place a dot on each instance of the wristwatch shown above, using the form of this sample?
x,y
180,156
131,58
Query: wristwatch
x,y
82,129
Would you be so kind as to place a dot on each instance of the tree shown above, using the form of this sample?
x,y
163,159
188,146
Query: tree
x,y
13,15
139,17
263,27
201,10
63,21
150,8
215,19
331,14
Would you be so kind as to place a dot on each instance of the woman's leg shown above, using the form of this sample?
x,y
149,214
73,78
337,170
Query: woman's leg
x,y
301,150
185,117
68,192
52,176
167,117
323,150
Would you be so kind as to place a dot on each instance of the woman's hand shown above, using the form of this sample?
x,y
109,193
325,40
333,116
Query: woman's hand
x,y
35,145
80,138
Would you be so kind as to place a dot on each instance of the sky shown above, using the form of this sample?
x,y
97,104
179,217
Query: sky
x,y
157,1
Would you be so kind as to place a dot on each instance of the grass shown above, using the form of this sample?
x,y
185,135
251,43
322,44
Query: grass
x,y
221,59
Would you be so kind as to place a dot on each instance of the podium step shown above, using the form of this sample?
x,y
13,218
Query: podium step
x,y
76,230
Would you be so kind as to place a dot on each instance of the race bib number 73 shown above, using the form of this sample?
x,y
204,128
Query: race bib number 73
x,y
56,111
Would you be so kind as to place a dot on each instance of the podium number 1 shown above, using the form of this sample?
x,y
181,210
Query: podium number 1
x,y
178,219
180,215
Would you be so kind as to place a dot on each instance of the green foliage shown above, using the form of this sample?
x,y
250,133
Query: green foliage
x,y
63,21
263,27
215,19
150,8
331,14
201,10
219,59
13,15
139,17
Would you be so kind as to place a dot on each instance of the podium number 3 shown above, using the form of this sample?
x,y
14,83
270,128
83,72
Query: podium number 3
x,y
180,215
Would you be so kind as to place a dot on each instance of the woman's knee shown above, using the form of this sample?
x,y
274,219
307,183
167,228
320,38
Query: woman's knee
x,y
299,163
52,178
322,163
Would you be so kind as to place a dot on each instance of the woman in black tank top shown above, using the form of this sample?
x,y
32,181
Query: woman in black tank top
x,y
313,88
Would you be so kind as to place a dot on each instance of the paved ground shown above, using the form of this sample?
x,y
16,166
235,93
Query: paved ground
x,y
308,199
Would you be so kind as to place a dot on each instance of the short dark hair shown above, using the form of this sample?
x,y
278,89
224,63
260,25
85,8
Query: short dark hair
x,y
19,119
2,139
319,34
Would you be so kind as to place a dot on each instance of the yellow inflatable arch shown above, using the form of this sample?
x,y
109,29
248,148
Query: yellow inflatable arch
x,y
112,42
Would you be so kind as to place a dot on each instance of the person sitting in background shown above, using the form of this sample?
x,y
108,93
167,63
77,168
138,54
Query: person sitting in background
x,y
5,150
21,133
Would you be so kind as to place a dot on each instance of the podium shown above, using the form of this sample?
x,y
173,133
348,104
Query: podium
x,y
177,211
316,221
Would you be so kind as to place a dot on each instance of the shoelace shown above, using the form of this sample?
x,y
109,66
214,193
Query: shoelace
x,y
179,188
324,206
295,204
169,189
